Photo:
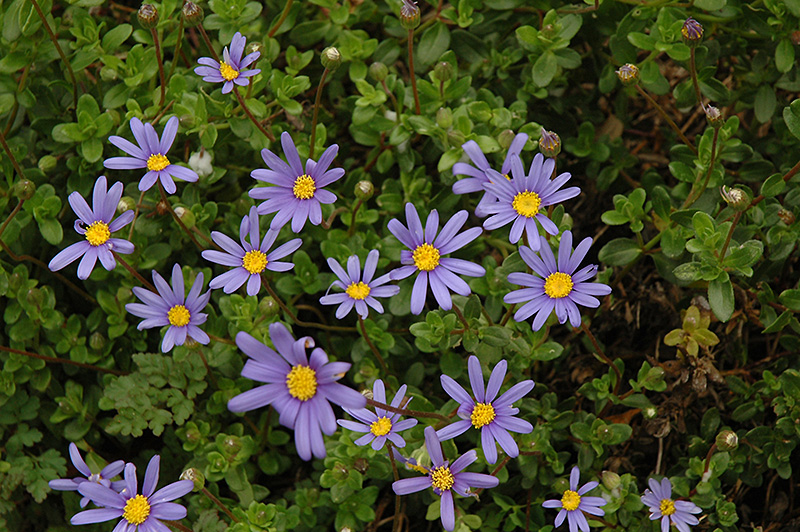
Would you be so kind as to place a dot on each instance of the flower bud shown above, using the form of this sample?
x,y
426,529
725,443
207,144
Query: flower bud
x,y
331,58
24,189
443,71
148,16
364,190
611,480
200,162
108,74
714,117
735,197
231,445
47,163
692,32
34,297
505,138
628,74
786,216
196,477
549,143
455,137
409,15
269,307
97,341
650,412
366,392
727,440
378,71
444,118
192,14
255,47
126,203
186,216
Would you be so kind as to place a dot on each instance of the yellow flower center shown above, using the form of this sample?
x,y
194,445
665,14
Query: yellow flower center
x,y
527,204
227,72
97,233
178,316
302,382
667,507
136,510
254,261
442,478
304,187
157,162
570,500
558,285
426,257
482,414
358,290
382,427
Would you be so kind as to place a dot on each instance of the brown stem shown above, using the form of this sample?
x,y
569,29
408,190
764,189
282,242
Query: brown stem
x,y
736,219
691,198
284,14
372,346
461,317
352,230
175,524
160,67
136,214
136,274
666,117
208,42
790,174
508,314
317,101
14,162
177,49
202,235
394,100
411,69
326,224
693,72
397,500
406,412
162,112
60,53
11,216
57,360
208,368
177,218
252,118
294,318
603,356
219,503
494,473
221,340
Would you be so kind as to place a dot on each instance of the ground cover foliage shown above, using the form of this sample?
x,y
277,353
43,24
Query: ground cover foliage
x,y
686,163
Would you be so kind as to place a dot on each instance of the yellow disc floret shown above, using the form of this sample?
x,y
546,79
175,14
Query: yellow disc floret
x,y
157,162
570,500
382,427
304,187
482,414
227,72
97,233
667,507
558,285
527,204
136,510
178,316
426,257
254,261
302,382
358,290
442,478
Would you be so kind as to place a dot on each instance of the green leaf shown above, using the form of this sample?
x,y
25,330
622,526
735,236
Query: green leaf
x,y
703,225
115,37
619,252
544,69
642,40
434,42
773,186
689,271
791,115
547,351
710,5
720,296
784,56
779,323
765,103
791,299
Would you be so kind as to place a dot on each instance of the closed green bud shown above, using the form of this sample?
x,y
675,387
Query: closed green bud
x,y
231,445
611,480
108,74
549,143
97,341
378,71
186,216
126,203
736,198
269,307
628,74
331,58
47,163
505,138
34,297
443,71
455,137
24,189
197,478
364,190
192,14
444,118
409,15
727,440
148,16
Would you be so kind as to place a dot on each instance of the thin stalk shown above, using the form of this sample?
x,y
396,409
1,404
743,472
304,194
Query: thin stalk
x,y
393,98
406,412
221,340
208,368
397,499
284,14
154,33
57,360
177,218
252,118
208,42
411,69
603,356
60,53
790,174
692,197
294,318
494,473
133,272
693,72
11,216
13,159
372,346
326,224
317,101
647,247
352,230
666,117
177,53
175,524
136,214
508,314
461,317
219,503
736,219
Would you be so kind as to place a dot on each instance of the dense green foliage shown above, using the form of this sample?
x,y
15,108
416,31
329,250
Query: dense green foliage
x,y
701,327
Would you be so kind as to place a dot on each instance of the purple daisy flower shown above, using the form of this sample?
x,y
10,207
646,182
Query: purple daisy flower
x,y
249,259
445,478
151,154
493,415
663,507
103,477
574,503
556,286
360,289
297,194
230,70
380,425
99,226
521,198
426,256
170,306
479,176
297,387
140,512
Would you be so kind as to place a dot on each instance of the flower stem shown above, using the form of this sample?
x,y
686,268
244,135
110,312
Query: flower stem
x,y
133,272
252,118
411,69
13,159
57,360
406,412
372,346
175,524
177,53
692,197
397,500
60,53
221,340
790,174
208,42
603,356
326,224
736,219
136,214
220,504
497,469
154,33
284,14
394,100
11,216
693,72
352,230
508,314
176,217
461,317
666,117
294,318
317,101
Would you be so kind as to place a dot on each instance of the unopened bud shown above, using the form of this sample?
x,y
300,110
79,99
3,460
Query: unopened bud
x,y
361,465
47,163
331,58
366,392
148,16
126,203
364,190
735,197
255,47
611,480
650,412
268,307
727,440
409,15
24,189
505,138
34,297
97,341
186,216
378,71
191,343
108,74
444,118
192,14
443,71
714,117
628,74
786,216
455,137
200,162
231,445
692,32
549,143
196,476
